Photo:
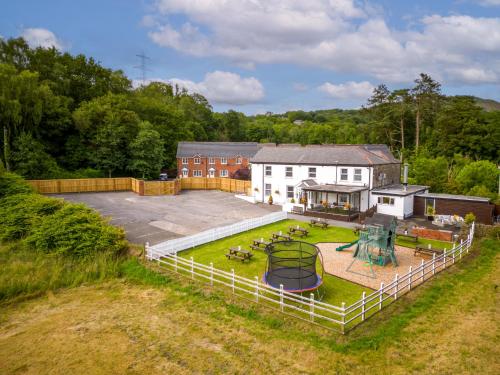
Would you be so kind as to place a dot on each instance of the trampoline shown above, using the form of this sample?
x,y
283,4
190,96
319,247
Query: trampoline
x,y
293,265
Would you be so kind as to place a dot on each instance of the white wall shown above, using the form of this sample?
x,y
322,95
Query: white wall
x,y
395,210
324,175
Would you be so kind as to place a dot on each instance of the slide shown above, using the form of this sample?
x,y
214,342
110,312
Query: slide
x,y
346,246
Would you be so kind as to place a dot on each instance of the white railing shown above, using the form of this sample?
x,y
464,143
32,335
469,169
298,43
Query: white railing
x,y
339,318
183,243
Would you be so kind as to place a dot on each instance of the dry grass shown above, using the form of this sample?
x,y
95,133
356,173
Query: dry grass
x,y
121,327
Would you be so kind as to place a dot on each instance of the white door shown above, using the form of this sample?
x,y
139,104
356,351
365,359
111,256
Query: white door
x,y
211,173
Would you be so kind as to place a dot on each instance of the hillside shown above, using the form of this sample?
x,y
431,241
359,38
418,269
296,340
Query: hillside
x,y
488,105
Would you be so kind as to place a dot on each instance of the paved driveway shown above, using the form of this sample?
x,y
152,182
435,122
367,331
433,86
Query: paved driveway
x,y
157,219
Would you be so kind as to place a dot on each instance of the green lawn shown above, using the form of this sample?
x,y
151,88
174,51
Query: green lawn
x,y
336,290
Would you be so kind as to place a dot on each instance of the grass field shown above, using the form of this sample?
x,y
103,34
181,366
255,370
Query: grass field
x,y
143,322
336,290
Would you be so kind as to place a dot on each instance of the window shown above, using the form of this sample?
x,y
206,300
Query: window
x,y
269,170
386,200
211,160
312,172
197,173
238,160
343,199
357,174
343,174
185,172
289,172
184,160
267,190
197,160
223,173
223,160
289,192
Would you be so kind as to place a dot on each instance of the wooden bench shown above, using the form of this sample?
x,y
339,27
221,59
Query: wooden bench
x,y
297,210
238,253
259,244
297,231
410,237
420,250
319,223
280,236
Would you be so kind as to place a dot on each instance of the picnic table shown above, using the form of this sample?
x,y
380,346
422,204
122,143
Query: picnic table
x,y
280,236
429,251
319,223
239,253
296,230
260,244
409,236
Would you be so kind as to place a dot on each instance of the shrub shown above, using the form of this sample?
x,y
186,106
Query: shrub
x,y
11,184
470,218
19,212
77,231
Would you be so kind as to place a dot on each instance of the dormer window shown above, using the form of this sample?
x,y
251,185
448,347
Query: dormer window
x,y
238,160
197,160
223,160
211,160
184,160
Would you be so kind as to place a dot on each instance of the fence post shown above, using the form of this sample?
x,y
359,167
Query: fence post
x,y
433,264
211,274
311,306
422,266
146,251
192,268
396,279
363,306
381,296
444,258
256,288
453,254
281,297
175,261
232,279
409,279
343,318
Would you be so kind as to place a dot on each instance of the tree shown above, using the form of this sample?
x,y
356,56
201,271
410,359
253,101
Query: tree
x,y
426,94
402,104
146,152
481,172
111,148
30,159
430,172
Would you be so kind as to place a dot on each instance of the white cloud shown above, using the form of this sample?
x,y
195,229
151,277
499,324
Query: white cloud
x,y
220,87
335,34
488,3
38,37
348,91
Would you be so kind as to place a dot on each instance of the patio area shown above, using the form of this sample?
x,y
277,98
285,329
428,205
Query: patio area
x,y
337,262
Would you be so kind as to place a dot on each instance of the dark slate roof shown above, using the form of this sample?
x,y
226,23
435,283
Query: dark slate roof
x,y
399,190
454,197
217,149
381,219
362,155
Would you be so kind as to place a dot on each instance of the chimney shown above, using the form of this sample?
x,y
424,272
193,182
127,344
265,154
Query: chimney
x,y
405,177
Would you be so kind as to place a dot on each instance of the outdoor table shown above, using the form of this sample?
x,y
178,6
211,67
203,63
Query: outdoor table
x,y
319,223
279,235
298,231
239,253
259,244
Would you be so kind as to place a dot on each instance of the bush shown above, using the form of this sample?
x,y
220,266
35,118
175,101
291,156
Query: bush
x,y
470,218
19,212
11,184
77,231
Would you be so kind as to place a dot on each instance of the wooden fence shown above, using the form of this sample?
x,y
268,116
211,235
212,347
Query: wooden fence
x,y
217,183
87,185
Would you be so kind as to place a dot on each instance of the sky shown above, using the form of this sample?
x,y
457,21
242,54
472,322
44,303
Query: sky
x,y
256,56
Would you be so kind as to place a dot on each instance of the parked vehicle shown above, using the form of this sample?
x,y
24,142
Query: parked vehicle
x,y
163,177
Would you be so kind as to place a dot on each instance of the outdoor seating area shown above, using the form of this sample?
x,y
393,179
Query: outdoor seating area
x,y
239,253
297,230
319,222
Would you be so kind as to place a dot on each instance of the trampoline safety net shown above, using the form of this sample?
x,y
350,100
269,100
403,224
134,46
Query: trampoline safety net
x,y
292,264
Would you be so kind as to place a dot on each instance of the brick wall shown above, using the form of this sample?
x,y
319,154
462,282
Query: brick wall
x,y
205,166
433,234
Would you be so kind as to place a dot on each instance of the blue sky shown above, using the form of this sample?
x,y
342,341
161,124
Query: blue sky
x,y
277,55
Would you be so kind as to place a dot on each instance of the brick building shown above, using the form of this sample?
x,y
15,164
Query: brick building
x,y
215,159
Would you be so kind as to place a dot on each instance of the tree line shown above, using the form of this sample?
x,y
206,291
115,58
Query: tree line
x,y
68,116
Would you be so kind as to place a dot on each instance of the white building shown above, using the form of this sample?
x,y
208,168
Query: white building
x,y
338,181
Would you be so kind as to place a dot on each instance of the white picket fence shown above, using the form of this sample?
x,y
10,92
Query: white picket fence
x,y
340,318
183,243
